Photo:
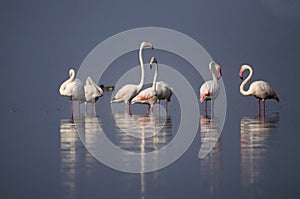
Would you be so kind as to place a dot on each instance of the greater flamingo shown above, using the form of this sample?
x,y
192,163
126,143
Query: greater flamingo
x,y
163,90
210,89
92,92
148,95
259,89
73,89
127,92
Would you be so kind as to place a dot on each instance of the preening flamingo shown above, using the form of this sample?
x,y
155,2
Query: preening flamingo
x,y
259,89
211,89
127,92
92,92
73,89
148,95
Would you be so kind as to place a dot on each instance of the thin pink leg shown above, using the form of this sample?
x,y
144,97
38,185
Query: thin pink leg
x,y
72,108
264,108
166,106
128,107
258,107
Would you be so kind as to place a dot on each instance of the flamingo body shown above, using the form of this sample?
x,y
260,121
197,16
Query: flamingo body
x,y
126,93
211,89
146,96
73,89
262,90
92,91
164,91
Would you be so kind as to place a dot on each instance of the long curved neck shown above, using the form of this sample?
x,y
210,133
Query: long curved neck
x,y
155,77
140,85
72,76
242,90
212,71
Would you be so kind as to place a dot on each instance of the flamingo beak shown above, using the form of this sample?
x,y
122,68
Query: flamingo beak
x,y
241,75
151,66
220,74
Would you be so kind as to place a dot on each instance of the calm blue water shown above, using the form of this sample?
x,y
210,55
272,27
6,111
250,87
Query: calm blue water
x,y
42,155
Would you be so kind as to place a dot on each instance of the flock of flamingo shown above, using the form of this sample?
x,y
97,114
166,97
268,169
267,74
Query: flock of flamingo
x,y
132,94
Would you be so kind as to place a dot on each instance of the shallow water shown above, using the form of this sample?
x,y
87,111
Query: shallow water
x,y
42,151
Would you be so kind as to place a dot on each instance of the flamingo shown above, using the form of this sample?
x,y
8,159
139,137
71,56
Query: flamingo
x,y
73,89
92,92
163,90
128,91
148,95
210,89
259,89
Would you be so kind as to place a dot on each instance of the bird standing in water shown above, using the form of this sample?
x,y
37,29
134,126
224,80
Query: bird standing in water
x,y
259,89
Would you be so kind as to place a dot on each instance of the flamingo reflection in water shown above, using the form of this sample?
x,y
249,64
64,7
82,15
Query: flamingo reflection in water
x,y
132,129
210,154
255,143
210,133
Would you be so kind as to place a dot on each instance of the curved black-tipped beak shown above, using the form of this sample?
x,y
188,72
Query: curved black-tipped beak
x,y
220,74
241,75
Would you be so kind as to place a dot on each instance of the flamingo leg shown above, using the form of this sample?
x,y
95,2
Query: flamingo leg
x,y
72,108
78,108
264,108
158,106
86,107
258,107
212,107
166,106
205,108
128,107
93,108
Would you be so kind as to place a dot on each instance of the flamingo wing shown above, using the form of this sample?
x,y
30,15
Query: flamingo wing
x,y
146,96
125,94
164,90
209,90
263,90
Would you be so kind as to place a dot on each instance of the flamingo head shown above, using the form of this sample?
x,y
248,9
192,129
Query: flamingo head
x,y
88,81
243,68
71,72
219,69
146,44
153,60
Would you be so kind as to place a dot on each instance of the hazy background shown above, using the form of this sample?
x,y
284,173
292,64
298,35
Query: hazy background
x,y
41,40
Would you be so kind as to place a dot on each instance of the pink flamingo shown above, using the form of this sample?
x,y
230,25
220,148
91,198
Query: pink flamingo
x,y
259,89
92,93
148,95
128,91
211,89
73,89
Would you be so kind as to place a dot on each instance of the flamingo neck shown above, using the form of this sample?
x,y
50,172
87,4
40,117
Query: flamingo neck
x,y
212,72
155,77
72,75
242,90
140,85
